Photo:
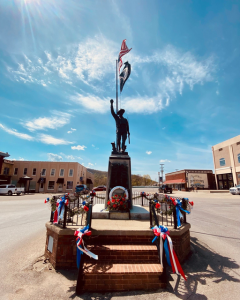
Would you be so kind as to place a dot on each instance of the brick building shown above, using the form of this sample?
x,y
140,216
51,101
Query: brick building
x,y
226,159
46,176
185,180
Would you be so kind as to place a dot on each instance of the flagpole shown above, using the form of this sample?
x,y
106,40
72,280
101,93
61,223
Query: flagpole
x,y
116,85
116,96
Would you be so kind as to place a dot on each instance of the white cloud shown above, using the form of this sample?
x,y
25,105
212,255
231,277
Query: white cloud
x,y
72,129
93,145
89,60
164,160
149,152
54,157
48,139
92,102
20,135
70,157
217,92
90,165
78,147
93,60
58,119
21,159
163,128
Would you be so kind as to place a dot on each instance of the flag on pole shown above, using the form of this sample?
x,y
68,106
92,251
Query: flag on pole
x,y
124,75
124,50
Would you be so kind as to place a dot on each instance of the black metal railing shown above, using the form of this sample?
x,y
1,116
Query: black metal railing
x,y
74,215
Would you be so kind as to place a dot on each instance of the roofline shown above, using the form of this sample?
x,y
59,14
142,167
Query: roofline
x,y
184,170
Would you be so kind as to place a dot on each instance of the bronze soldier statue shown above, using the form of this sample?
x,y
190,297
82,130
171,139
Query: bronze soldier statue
x,y
122,127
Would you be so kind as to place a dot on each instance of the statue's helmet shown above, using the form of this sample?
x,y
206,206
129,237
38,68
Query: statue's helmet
x,y
121,112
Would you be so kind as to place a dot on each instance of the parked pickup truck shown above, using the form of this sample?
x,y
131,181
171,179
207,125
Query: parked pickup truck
x,y
10,189
165,189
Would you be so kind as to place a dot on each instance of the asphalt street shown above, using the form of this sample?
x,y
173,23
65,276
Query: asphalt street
x,y
212,268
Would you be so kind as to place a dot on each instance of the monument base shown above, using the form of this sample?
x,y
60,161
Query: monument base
x,y
119,175
136,213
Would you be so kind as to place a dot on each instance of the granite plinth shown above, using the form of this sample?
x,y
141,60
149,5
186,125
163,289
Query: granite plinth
x,y
137,212
119,174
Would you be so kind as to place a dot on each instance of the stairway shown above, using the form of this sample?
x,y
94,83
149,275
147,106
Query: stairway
x,y
124,263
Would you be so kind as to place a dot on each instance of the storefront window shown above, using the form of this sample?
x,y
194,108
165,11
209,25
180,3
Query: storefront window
x,y
219,177
224,176
51,185
220,185
69,185
239,157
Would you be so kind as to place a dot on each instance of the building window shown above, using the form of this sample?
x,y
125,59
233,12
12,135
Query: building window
x,y
43,172
239,157
25,171
6,171
222,162
52,172
51,185
61,172
70,173
69,185
15,171
34,171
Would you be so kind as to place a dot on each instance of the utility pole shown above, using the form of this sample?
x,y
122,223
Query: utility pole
x,y
162,171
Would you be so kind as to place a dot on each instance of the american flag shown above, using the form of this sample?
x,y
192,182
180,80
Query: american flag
x,y
124,50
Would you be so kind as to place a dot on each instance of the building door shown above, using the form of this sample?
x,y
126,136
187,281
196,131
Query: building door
x,y
60,186
41,187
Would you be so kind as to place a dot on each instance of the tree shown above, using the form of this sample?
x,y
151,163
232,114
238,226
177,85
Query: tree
x,y
147,180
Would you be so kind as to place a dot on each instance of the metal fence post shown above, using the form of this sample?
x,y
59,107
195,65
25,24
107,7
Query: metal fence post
x,y
150,214
142,200
65,216
183,213
175,217
89,216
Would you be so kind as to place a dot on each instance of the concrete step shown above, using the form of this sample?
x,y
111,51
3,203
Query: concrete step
x,y
125,253
101,277
123,239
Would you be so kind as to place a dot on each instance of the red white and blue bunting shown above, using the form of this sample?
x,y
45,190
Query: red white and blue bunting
x,y
80,233
165,241
59,212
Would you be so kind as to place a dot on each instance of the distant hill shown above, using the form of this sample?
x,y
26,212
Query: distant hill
x,y
100,178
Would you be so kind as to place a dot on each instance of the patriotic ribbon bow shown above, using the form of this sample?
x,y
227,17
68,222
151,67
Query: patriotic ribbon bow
x,y
80,233
166,242
179,208
47,200
59,212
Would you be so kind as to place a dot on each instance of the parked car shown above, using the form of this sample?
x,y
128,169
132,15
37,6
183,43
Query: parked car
x,y
235,190
10,189
100,188
82,188
165,189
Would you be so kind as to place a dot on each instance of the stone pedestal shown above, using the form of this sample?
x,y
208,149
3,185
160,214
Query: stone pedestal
x,y
119,174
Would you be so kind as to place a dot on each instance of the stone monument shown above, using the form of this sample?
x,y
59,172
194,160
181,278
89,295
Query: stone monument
x,y
119,166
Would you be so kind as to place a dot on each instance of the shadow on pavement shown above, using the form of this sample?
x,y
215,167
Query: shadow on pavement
x,y
202,266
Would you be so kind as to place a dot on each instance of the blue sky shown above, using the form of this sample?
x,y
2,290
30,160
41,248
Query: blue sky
x,y
57,75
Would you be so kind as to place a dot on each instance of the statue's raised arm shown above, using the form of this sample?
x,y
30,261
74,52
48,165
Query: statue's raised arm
x,y
112,111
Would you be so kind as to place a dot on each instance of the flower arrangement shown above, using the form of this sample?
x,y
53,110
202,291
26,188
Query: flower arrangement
x,y
118,203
